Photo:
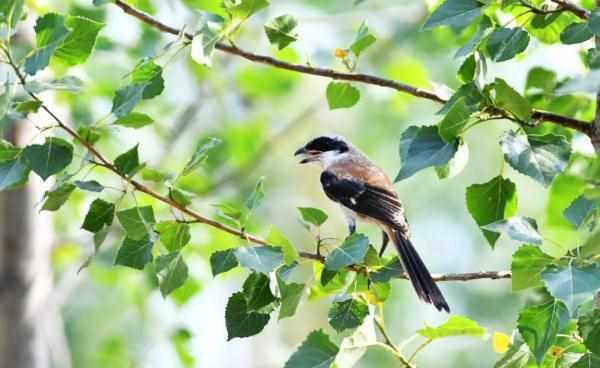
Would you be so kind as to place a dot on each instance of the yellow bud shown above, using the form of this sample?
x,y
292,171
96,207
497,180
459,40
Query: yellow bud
x,y
500,342
340,53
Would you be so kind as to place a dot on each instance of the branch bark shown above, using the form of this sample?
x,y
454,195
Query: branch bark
x,y
569,122
595,129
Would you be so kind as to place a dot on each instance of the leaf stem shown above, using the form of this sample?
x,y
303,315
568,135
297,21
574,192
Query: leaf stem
x,y
390,345
419,348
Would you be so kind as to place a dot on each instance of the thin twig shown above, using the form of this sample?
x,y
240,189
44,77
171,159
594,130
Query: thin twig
x,y
388,342
418,349
569,122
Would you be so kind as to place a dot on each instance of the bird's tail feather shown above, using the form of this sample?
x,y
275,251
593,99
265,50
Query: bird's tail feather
x,y
418,274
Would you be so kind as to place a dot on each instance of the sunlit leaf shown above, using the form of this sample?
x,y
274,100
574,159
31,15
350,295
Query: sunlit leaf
x,y
352,251
455,13
280,31
528,262
454,326
519,228
572,284
341,95
317,351
57,197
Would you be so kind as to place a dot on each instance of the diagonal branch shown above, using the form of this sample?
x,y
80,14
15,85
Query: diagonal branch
x,y
573,8
569,122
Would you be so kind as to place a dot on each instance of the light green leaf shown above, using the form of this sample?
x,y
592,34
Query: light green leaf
x,y
455,13
280,31
200,155
261,259
455,120
519,228
149,74
173,272
317,351
138,222
78,45
505,43
49,158
277,239
57,197
126,98
203,43
243,9
50,32
89,185
135,253
466,72
68,84
423,147
528,262
539,325
222,261
128,163
540,80
341,95
27,107
239,321
352,251
576,33
572,284
257,195
539,157
100,214
291,293
11,12
364,39
454,326
510,100
347,314
134,120
589,329
490,202
474,41
173,235
313,215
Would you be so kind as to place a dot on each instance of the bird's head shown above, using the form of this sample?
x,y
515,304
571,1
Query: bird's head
x,y
324,150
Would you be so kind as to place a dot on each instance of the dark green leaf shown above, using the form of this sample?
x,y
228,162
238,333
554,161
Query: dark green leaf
x,y
364,39
539,157
341,95
593,58
89,185
347,314
257,195
594,23
519,228
222,261
587,360
173,272
505,43
517,356
280,31
57,197
313,215
50,32
173,235
490,202
576,33
291,293
200,155
261,259
455,13
474,41
539,325
352,251
128,163
528,262
138,222
257,291
78,45
126,98
455,121
392,269
589,330
579,210
14,170
317,351
49,158
134,120
540,80
572,284
454,326
27,107
510,100
239,321
100,214
135,253
423,147
149,74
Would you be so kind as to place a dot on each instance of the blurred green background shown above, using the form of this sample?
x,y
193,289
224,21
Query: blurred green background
x,y
116,317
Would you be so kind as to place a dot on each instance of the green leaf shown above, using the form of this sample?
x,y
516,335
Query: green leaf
x,y
134,120
57,197
474,41
179,196
173,235
277,239
594,22
455,13
173,272
528,262
317,351
364,39
510,100
67,84
291,293
186,292
593,58
239,321
352,251
540,80
466,72
539,325
200,155
78,45
149,74
519,228
100,214
490,202
587,360
280,31
392,269
353,347
203,43
138,222
423,147
576,33
455,120
6,98
27,107
243,9
257,195
505,43
257,291
517,356
457,164
49,158
454,326
14,169
222,261
347,314
50,32
89,185
135,253
128,163
589,329
341,95
11,12
181,340
261,259
313,215
539,157
572,284
579,210
126,98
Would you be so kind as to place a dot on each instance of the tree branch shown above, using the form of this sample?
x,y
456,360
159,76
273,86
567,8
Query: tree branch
x,y
573,8
569,122
595,129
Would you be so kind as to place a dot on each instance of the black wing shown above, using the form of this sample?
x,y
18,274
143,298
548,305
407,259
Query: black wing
x,y
364,199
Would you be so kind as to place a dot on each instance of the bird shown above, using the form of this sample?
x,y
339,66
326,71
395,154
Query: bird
x,y
366,193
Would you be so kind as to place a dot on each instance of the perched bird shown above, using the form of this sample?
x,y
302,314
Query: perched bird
x,y
366,193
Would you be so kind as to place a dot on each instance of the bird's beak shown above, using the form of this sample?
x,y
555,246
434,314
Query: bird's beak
x,y
307,156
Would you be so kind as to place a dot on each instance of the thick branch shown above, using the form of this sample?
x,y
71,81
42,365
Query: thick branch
x,y
573,8
565,121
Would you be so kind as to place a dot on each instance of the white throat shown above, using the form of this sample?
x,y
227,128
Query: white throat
x,y
328,158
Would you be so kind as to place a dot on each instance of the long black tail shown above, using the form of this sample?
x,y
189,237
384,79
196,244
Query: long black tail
x,y
419,276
